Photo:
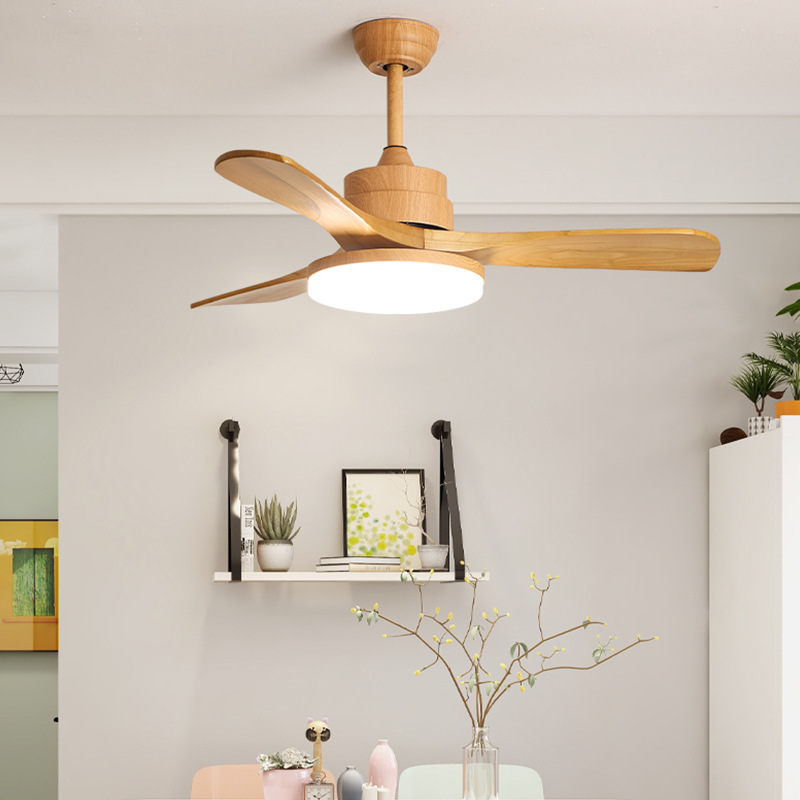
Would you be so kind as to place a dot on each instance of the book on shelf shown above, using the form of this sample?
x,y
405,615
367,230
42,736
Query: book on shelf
x,y
248,537
395,560
359,568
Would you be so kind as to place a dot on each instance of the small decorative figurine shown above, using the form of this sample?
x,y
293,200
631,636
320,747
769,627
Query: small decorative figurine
x,y
317,732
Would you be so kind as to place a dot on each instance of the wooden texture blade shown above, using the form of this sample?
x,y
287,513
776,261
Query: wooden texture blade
x,y
269,292
668,249
283,181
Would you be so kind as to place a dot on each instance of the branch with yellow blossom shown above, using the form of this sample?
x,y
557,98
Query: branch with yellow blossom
x,y
476,688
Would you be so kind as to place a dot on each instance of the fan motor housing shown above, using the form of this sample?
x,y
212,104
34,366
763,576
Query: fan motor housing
x,y
398,190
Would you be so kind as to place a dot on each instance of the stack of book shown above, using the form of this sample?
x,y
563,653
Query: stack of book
x,y
359,564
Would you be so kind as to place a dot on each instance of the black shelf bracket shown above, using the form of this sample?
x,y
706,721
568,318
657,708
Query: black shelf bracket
x,y
230,431
449,515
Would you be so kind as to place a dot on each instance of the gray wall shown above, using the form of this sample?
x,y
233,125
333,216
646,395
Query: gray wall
x,y
583,406
28,681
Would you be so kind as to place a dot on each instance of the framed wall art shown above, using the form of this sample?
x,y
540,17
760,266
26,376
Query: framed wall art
x,y
28,585
383,512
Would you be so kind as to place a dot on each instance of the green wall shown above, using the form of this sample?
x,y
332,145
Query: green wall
x,y
29,455
29,681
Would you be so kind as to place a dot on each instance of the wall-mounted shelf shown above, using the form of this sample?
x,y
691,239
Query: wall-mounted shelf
x,y
449,522
334,577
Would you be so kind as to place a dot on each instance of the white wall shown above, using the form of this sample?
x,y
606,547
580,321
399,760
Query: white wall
x,y
583,405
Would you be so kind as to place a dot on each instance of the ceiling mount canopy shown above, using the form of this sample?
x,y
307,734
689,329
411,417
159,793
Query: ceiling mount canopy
x,y
409,43
394,223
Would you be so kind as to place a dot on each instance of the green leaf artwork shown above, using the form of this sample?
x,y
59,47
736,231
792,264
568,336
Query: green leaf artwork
x,y
383,516
33,570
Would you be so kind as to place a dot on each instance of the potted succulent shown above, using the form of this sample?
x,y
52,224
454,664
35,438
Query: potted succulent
x,y
285,773
786,362
276,529
757,382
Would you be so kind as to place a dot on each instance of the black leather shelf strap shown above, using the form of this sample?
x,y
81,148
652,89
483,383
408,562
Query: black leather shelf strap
x,y
230,431
449,515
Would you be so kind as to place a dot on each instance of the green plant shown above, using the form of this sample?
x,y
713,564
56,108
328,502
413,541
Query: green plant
x,y
272,523
290,758
787,359
794,307
757,382
467,663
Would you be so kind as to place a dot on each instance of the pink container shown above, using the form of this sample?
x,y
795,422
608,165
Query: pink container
x,y
383,768
285,784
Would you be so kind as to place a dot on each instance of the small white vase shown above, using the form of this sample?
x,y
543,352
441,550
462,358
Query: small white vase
x,y
433,556
756,425
274,555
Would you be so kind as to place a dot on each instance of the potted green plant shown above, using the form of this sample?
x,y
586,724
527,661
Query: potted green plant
x,y
757,382
786,363
794,307
275,527
285,773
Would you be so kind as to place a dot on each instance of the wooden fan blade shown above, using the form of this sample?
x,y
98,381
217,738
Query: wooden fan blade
x,y
669,249
278,289
284,181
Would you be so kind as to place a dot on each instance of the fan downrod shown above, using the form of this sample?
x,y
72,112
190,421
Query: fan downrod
x,y
396,189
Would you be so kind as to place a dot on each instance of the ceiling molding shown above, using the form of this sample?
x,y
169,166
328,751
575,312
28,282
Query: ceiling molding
x,y
28,355
262,209
37,378
500,165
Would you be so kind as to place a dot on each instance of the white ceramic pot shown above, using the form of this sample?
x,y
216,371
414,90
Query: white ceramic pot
x,y
433,556
274,555
756,425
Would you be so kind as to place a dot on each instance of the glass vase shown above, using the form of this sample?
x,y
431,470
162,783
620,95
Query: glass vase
x,y
480,767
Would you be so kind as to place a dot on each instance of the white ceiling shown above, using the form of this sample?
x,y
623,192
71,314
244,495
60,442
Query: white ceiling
x,y
294,57
197,72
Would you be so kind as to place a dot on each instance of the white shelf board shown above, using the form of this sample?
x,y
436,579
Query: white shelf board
x,y
333,577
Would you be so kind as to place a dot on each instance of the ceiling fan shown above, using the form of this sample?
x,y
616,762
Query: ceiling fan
x,y
394,225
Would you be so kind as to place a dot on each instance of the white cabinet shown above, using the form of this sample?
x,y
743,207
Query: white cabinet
x,y
754,617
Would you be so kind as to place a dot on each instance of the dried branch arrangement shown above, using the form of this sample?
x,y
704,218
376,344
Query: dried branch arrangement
x,y
465,656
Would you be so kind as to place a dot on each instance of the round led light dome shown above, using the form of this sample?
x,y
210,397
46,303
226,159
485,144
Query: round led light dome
x,y
395,281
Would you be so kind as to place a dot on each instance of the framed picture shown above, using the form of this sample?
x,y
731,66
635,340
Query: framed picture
x,y
383,511
28,584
